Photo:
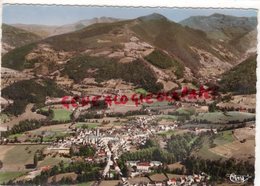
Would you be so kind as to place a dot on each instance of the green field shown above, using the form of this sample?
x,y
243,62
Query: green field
x,y
6,176
186,111
86,125
141,91
61,115
50,161
220,117
14,135
52,137
169,117
157,104
167,133
224,137
205,153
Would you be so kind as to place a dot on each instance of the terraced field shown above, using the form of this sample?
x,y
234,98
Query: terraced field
x,y
220,117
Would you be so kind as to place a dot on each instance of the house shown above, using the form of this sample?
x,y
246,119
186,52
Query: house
x,y
143,167
172,182
155,163
132,163
101,153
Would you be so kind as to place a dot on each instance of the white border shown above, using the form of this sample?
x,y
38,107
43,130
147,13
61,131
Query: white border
x,y
148,3
243,4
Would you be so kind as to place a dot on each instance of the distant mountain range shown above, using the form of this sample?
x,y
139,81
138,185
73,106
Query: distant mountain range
x,y
46,31
222,27
239,32
150,51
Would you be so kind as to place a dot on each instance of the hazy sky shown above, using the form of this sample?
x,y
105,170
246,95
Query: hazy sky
x,y
59,15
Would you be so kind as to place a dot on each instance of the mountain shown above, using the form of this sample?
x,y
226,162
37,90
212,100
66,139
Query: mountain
x,y
15,37
241,79
46,31
222,27
246,43
41,30
150,51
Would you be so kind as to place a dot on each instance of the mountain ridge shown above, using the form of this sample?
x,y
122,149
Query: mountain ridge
x,y
51,30
221,26
188,52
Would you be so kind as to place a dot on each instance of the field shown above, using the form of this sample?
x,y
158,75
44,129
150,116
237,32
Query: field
x,y
16,157
156,103
53,128
58,177
224,137
186,111
109,182
235,147
169,117
168,133
87,125
49,133
50,161
61,115
228,145
220,117
6,176
205,152
85,184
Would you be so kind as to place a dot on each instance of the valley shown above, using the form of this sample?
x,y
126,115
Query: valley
x,y
205,64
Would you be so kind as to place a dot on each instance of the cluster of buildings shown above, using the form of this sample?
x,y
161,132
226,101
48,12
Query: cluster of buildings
x,y
189,180
111,143
139,167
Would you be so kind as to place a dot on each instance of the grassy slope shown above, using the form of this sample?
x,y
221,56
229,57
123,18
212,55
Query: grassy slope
x,y
17,37
6,176
25,155
241,79
220,117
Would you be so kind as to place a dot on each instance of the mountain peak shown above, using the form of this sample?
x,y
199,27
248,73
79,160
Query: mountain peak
x,y
217,15
153,16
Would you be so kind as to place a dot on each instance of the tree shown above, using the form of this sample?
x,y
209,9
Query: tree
x,y
212,107
35,160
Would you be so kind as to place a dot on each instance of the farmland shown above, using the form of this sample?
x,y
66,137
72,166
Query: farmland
x,y
14,162
220,117
6,176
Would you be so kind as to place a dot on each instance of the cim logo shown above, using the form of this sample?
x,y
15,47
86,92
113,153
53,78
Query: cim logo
x,y
238,178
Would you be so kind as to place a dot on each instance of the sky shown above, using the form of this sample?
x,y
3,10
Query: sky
x,y
60,15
